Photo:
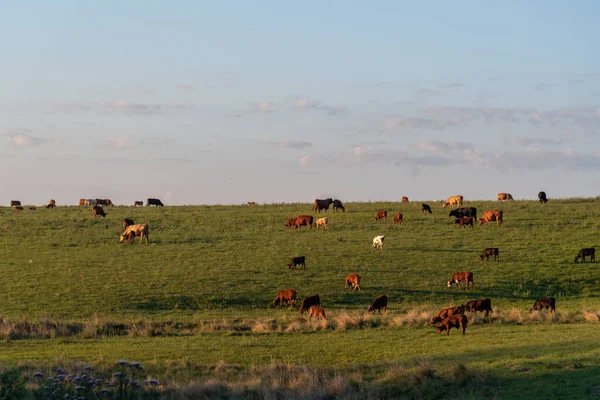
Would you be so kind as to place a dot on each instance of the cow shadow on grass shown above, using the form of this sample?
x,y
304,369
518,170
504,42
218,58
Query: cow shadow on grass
x,y
432,250
165,303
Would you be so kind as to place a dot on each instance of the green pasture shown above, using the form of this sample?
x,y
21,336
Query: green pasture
x,y
226,263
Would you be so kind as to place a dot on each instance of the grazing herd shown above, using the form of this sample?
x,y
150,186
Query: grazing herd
x,y
448,318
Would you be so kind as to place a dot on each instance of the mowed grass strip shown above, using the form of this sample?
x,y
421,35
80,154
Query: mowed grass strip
x,y
230,261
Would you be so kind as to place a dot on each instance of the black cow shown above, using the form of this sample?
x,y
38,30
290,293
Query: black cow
x,y
308,302
583,253
297,261
337,205
464,212
154,202
425,208
319,205
542,197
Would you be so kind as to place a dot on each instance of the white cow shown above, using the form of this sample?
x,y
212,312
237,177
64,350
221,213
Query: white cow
x,y
324,222
378,242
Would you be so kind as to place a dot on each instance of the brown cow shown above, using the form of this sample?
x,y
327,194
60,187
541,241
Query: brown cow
x,y
251,203
131,231
397,219
308,302
18,208
127,222
291,222
352,281
464,222
380,303
317,312
454,321
458,277
14,203
404,199
51,204
453,200
304,220
479,305
583,253
447,312
297,261
547,303
138,203
82,202
381,215
98,210
425,208
287,296
491,215
492,251
504,196
103,202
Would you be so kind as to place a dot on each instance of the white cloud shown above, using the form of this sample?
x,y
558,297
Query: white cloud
x,y
289,144
22,139
263,106
120,143
316,104
305,161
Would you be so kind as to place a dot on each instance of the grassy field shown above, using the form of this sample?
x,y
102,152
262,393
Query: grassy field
x,y
195,300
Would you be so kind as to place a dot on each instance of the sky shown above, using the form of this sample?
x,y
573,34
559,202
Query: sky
x,y
198,102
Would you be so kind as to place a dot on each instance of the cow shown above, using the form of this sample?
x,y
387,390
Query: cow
x,y
337,205
504,196
583,253
154,202
380,303
103,202
251,203
82,202
378,242
140,230
352,281
490,251
464,212
32,208
324,222
98,211
547,303
287,296
397,219
51,204
319,205
18,208
483,305
297,261
317,312
425,209
291,222
453,200
491,215
89,202
304,220
447,312
381,215
542,197
308,302
458,277
14,203
404,199
464,222
138,203
127,222
455,321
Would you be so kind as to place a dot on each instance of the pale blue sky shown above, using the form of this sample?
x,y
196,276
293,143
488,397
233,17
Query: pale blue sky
x,y
227,102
